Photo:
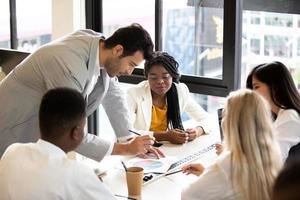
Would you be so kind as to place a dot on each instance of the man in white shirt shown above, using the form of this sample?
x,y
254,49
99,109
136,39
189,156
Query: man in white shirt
x,y
42,170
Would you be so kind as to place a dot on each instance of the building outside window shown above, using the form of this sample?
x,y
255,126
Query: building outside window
x,y
277,39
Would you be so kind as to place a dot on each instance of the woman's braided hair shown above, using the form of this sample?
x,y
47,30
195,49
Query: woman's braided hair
x,y
171,65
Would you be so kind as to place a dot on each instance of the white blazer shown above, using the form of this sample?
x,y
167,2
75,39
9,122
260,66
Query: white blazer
x,y
287,130
139,100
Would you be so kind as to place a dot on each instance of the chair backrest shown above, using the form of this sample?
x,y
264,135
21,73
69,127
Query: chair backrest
x,y
10,58
220,115
294,152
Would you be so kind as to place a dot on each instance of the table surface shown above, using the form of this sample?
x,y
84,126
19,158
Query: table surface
x,y
166,187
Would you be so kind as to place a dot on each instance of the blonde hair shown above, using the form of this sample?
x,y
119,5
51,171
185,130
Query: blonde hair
x,y
255,158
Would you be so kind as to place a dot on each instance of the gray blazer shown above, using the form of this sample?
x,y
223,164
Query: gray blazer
x,y
66,62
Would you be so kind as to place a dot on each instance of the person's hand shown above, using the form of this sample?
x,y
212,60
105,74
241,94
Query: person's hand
x,y
140,144
177,136
192,133
219,148
196,169
153,152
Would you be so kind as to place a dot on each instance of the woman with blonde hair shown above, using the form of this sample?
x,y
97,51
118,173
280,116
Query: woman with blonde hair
x,y
251,159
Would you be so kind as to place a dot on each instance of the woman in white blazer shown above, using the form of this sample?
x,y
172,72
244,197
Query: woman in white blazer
x,y
251,160
274,82
156,104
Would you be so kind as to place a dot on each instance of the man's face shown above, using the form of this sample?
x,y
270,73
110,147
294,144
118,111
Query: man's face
x,y
80,133
117,65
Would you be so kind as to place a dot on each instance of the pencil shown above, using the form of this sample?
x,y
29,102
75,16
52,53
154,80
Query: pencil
x,y
124,165
175,172
136,133
126,197
156,144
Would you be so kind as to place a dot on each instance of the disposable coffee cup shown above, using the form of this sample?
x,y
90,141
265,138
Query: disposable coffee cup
x,y
134,178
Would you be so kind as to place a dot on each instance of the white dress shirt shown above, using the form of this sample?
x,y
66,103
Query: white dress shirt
x,y
213,184
42,171
287,129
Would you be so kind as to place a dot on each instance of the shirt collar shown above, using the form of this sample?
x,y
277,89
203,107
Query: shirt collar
x,y
98,67
51,148
97,61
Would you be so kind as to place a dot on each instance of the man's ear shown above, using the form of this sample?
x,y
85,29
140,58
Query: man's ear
x,y
117,50
75,133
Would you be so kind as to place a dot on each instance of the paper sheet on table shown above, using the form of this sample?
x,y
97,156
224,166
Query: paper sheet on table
x,y
152,165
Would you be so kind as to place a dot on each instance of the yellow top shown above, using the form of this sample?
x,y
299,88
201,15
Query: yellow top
x,y
159,119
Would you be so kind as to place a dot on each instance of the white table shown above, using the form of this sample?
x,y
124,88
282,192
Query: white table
x,y
167,188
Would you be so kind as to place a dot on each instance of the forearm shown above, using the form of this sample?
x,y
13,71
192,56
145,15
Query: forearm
x,y
161,136
120,149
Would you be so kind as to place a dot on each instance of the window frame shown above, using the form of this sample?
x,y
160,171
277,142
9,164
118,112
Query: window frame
x,y
231,54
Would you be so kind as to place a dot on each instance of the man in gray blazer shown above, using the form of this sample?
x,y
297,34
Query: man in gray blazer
x,y
89,63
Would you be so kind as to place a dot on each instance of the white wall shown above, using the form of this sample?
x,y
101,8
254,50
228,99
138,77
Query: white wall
x,y
67,16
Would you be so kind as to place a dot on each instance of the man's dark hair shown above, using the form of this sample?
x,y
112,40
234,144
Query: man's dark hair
x,y
61,110
133,38
171,65
287,183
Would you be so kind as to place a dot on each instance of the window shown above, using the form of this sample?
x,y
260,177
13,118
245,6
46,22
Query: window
x,y
193,34
4,24
204,36
276,40
118,13
282,20
34,22
278,46
255,46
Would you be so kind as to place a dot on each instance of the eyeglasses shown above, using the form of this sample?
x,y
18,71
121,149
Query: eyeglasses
x,y
165,77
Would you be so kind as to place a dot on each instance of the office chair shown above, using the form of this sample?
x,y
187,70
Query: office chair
x,y
294,153
10,58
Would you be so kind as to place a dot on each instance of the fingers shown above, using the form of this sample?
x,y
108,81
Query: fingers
x,y
144,156
154,151
219,148
192,136
146,140
196,169
159,153
140,144
186,167
182,137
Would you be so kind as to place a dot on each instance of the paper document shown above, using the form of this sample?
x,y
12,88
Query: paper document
x,y
152,165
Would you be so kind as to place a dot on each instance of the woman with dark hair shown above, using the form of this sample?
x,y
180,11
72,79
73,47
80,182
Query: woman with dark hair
x,y
274,82
157,103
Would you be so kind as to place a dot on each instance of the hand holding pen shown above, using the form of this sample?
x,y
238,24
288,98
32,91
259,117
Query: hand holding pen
x,y
194,168
148,148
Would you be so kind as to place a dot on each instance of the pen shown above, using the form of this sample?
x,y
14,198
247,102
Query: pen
x,y
175,172
156,144
136,133
117,195
124,165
